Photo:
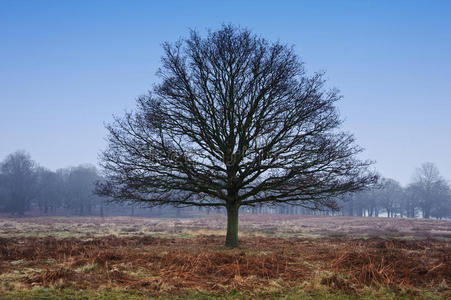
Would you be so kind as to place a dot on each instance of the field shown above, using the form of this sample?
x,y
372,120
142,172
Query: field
x,y
282,257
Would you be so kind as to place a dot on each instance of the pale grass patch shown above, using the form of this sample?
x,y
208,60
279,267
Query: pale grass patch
x,y
89,267
314,282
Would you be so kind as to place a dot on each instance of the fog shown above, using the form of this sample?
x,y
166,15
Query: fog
x,y
29,189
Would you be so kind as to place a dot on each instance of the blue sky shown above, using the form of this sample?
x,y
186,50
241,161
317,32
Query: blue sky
x,y
67,66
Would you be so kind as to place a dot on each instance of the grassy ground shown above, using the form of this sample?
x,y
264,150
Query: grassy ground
x,y
280,258
250,225
298,293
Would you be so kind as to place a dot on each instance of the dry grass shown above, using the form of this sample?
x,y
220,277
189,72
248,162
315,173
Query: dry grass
x,y
174,266
165,265
250,225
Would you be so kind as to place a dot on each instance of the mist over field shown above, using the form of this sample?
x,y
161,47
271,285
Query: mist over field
x,y
235,150
28,189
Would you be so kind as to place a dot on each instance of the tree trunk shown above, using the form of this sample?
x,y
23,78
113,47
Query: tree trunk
x,y
101,208
426,213
232,226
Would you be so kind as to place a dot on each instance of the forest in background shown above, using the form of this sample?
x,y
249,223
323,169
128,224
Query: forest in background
x,y
26,188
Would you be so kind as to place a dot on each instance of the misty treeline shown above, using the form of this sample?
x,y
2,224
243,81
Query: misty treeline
x,y
427,195
25,186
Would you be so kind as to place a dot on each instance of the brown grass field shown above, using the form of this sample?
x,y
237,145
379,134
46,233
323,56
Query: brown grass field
x,y
280,257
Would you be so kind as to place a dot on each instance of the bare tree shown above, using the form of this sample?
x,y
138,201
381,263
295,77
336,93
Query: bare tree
x,y
235,121
389,196
18,181
411,200
442,205
428,188
79,184
50,185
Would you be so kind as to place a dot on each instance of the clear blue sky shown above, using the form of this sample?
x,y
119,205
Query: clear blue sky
x,y
67,66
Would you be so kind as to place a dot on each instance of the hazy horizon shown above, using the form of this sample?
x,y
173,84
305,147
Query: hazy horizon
x,y
67,67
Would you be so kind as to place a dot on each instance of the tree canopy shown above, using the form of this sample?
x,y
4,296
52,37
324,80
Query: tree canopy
x,y
234,121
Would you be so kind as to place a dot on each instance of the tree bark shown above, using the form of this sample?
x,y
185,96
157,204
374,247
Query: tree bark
x,y
101,208
232,226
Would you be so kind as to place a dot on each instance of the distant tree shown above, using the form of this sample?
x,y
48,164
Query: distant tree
x,y
427,188
18,181
4,194
442,205
79,185
410,201
362,203
50,190
389,196
234,122
371,202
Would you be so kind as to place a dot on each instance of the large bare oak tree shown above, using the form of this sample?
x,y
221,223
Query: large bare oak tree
x,y
235,121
